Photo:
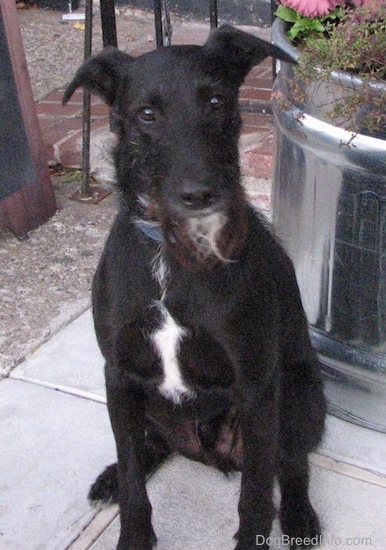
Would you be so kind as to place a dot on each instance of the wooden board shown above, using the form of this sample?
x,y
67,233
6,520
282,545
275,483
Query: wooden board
x,y
26,195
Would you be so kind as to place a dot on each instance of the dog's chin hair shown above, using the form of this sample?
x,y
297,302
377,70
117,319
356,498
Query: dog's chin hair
x,y
204,233
160,269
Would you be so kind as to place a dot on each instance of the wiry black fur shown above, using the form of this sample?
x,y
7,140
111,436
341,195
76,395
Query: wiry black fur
x,y
258,404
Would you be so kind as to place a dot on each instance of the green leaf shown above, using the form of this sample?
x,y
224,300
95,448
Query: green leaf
x,y
304,24
292,33
317,26
287,14
338,13
300,26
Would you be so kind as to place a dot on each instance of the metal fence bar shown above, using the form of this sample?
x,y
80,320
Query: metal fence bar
x,y
213,14
163,27
158,23
86,123
109,26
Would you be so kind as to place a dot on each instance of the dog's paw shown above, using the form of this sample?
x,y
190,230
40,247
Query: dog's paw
x,y
301,525
104,490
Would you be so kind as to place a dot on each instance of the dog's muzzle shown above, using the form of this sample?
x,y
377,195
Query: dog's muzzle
x,y
198,197
196,225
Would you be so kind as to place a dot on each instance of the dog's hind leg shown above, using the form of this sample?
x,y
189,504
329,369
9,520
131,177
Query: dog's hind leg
x,y
301,429
104,490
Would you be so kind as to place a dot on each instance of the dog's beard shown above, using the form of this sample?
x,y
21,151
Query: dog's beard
x,y
205,234
201,241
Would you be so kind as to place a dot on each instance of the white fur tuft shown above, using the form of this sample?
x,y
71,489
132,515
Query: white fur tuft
x,y
166,341
160,269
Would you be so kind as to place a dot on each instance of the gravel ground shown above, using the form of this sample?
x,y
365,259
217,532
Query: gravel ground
x,y
46,278
54,49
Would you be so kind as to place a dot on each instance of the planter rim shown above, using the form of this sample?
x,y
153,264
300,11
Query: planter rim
x,y
349,79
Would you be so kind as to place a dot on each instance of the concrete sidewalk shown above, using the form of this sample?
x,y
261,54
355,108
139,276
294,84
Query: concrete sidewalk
x,y
56,438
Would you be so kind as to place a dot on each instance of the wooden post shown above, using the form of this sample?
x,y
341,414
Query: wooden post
x,y
26,195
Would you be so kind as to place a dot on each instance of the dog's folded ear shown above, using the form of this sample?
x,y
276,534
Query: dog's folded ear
x,y
240,51
100,75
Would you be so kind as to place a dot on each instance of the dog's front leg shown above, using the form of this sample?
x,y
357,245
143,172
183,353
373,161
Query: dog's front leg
x,y
127,414
259,424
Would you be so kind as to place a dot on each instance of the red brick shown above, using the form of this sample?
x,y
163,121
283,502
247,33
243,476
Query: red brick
x,y
259,72
259,82
50,154
255,93
261,201
56,133
57,109
260,130
264,68
267,71
60,127
257,161
69,151
257,120
257,165
77,96
97,124
246,129
45,123
56,95
99,110
267,144
253,106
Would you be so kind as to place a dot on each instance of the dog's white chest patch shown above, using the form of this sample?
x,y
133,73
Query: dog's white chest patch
x,y
166,340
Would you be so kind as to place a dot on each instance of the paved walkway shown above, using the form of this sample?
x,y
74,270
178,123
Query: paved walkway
x,y
55,438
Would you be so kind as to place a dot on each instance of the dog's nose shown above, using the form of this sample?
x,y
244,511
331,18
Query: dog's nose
x,y
196,195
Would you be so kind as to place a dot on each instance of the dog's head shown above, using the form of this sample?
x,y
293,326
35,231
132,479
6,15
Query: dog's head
x,y
178,123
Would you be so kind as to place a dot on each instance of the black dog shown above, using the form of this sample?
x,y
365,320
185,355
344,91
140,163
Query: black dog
x,y
196,305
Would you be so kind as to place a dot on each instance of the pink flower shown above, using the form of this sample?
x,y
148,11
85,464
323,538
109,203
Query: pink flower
x,y
312,8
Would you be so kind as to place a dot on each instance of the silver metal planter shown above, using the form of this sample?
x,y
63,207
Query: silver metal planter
x,y
329,207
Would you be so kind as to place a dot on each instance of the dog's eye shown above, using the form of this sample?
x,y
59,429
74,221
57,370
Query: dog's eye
x,y
216,102
146,114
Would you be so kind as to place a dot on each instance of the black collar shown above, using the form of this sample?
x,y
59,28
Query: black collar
x,y
150,230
